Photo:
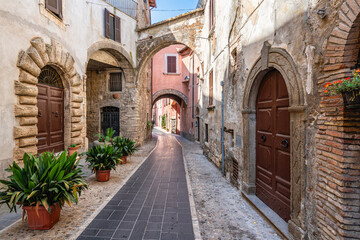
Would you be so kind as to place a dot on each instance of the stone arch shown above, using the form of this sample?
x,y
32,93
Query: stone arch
x,y
30,63
279,59
113,48
170,93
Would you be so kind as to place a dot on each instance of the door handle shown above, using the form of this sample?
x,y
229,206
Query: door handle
x,y
39,114
285,143
56,114
263,138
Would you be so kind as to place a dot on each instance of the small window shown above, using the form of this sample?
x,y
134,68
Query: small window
x,y
54,6
206,132
171,63
115,82
112,26
211,88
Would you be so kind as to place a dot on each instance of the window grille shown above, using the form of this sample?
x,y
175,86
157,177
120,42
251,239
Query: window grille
x,y
115,82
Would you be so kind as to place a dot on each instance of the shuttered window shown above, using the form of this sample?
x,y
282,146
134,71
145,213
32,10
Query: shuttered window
x,y
211,13
112,26
55,6
115,82
171,64
211,88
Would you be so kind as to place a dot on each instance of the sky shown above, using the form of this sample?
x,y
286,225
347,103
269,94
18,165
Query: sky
x,y
158,14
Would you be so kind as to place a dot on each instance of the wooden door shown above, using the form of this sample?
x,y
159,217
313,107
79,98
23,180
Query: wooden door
x,y
50,102
273,144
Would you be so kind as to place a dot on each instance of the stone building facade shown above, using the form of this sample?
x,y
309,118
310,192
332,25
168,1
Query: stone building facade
x,y
51,56
242,45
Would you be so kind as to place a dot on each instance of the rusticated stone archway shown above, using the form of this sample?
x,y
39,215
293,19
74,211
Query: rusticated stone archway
x,y
30,63
279,59
170,93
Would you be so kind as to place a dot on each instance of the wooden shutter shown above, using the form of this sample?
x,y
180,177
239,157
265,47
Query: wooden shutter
x,y
115,82
117,29
171,64
107,23
54,6
211,88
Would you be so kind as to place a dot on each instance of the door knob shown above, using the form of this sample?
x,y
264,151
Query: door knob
x,y
39,113
285,143
263,138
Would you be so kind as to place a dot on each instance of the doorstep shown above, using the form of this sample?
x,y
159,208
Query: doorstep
x,y
270,216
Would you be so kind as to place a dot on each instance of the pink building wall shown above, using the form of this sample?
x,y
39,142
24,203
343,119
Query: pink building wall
x,y
184,81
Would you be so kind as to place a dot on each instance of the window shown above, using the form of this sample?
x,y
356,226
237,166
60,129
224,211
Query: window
x,y
112,26
54,6
211,88
211,13
115,82
171,63
206,132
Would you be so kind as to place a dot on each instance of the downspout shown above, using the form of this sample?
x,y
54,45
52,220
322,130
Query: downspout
x,y
222,129
193,86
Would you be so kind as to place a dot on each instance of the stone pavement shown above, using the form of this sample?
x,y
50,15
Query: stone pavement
x,y
222,212
153,204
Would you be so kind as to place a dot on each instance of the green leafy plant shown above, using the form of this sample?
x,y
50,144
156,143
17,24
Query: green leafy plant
x,y
163,121
44,180
73,145
149,125
344,85
103,157
106,138
127,146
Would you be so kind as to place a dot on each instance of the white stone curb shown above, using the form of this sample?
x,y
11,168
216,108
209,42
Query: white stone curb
x,y
195,221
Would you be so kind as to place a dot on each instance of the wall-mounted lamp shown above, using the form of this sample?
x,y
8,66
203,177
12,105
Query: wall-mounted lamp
x,y
187,78
321,13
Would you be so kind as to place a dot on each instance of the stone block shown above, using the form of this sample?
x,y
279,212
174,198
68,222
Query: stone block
x,y
77,98
39,45
26,100
57,51
26,111
76,119
76,80
26,121
26,77
75,105
76,127
77,141
75,134
26,63
35,56
76,90
50,52
23,89
76,113
69,62
25,131
25,142
19,152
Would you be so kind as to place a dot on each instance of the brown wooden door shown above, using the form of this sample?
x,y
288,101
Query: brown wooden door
x,y
273,144
50,102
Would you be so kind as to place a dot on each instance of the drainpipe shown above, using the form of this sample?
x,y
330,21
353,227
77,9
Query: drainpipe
x,y
222,129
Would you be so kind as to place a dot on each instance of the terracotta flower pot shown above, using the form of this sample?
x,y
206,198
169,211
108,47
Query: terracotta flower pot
x,y
124,159
45,220
115,96
72,150
102,175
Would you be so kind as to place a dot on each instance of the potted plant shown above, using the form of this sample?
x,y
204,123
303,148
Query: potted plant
x,y
42,187
126,145
349,88
72,149
102,159
105,139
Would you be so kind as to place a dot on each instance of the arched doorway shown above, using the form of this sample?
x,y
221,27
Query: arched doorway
x,y
50,103
273,144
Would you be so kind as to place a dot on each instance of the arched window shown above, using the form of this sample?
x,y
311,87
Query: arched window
x,y
49,76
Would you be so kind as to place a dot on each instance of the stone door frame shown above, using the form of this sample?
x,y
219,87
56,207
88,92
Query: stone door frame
x,y
30,63
279,59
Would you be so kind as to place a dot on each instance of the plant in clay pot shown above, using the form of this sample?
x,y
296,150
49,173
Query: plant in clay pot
x,y
73,149
102,159
42,187
126,145
115,96
105,139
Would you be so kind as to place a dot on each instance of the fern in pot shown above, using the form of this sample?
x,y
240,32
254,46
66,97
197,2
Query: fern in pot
x,y
103,158
42,187
126,145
